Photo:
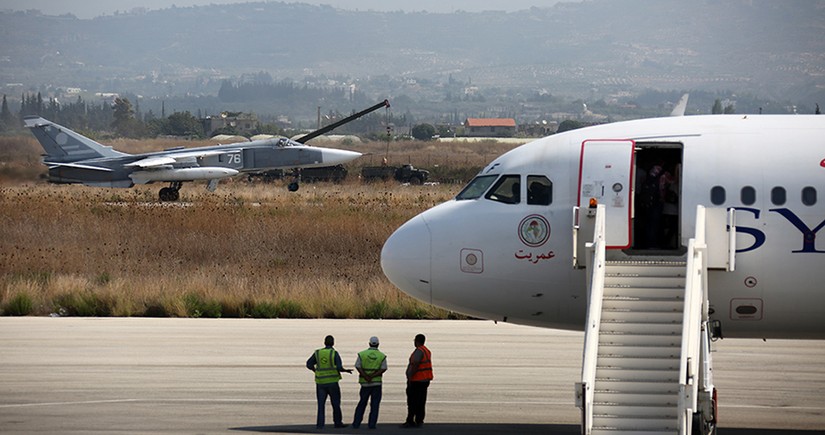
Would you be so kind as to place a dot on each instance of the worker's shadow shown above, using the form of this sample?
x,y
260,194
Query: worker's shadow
x,y
491,429
429,429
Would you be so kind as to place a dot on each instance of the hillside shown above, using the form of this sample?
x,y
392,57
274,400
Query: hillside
x,y
762,47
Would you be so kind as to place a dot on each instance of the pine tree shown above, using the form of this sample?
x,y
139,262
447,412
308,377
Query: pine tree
x,y
124,117
7,119
717,107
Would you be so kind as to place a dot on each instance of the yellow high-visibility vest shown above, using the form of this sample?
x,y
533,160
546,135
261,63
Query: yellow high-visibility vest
x,y
325,370
371,360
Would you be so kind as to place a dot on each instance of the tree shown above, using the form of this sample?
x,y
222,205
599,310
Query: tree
x,y
717,107
7,119
124,122
183,124
423,132
569,124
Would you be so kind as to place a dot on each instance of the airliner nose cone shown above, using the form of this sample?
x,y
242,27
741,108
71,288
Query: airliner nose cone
x,y
405,259
333,157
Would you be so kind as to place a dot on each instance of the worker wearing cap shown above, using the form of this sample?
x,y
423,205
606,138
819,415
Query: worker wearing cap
x,y
371,364
326,363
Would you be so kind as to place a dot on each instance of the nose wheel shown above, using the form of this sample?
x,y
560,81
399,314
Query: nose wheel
x,y
293,186
171,193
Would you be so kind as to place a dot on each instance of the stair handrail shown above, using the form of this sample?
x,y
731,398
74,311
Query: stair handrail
x,y
695,295
596,266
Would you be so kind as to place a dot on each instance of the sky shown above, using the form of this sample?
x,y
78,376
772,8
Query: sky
x,y
94,8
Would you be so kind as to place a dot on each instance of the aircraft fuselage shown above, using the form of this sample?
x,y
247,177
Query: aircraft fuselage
x,y
499,252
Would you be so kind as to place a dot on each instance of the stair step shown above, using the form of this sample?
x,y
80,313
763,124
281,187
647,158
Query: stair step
x,y
646,268
642,328
644,305
636,411
636,363
637,387
640,351
617,375
644,292
645,281
609,422
603,431
642,316
668,398
633,340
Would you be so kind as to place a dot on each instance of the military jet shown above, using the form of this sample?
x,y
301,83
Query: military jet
x,y
73,158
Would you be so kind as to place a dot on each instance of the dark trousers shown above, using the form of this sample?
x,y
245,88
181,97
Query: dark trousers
x,y
416,402
334,392
373,394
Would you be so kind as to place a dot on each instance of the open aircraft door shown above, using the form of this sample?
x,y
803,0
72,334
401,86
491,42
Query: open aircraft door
x,y
606,176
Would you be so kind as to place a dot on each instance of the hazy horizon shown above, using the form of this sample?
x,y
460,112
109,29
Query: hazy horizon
x,y
86,10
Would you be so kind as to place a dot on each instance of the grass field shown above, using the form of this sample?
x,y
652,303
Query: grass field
x,y
246,250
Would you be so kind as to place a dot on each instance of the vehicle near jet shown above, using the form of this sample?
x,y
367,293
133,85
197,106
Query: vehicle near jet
x,y
74,158
405,173
560,233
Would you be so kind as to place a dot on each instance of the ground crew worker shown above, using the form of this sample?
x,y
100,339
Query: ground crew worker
x,y
419,375
371,364
326,363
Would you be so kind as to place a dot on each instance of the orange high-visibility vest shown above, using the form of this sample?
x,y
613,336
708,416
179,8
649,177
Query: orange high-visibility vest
x,y
424,371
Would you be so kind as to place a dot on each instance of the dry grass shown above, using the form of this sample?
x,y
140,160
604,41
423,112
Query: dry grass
x,y
246,250
118,252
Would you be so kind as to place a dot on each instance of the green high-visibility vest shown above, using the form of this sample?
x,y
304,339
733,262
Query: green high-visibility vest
x,y
325,370
371,360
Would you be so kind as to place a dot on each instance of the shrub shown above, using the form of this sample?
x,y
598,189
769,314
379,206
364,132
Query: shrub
x,y
83,303
265,310
155,310
376,310
232,308
289,309
198,306
103,279
20,305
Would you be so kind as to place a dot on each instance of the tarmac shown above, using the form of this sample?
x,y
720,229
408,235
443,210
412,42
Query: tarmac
x,y
139,375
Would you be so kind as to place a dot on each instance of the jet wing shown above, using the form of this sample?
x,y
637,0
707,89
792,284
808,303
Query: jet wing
x,y
165,160
77,165
153,162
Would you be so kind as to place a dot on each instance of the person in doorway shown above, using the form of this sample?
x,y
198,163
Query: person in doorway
x,y
670,207
326,363
419,375
371,364
651,204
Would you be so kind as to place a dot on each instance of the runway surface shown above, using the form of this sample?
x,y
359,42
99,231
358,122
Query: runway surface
x,y
81,375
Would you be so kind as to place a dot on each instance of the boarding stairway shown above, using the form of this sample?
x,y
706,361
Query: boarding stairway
x,y
646,365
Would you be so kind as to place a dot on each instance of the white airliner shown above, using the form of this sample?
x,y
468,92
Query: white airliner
x,y
505,248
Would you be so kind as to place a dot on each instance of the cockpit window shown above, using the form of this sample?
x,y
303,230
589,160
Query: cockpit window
x,y
477,187
539,190
507,190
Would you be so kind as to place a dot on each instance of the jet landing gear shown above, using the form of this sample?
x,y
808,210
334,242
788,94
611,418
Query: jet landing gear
x,y
293,186
171,193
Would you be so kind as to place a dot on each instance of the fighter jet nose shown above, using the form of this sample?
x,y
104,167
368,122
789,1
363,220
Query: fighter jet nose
x,y
405,259
332,157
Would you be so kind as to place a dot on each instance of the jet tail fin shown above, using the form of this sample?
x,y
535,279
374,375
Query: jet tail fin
x,y
679,108
65,146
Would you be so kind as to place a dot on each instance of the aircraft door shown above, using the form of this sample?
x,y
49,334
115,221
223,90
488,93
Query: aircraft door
x,y
606,174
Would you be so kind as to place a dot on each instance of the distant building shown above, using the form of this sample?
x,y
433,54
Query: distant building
x,y
492,127
243,123
539,128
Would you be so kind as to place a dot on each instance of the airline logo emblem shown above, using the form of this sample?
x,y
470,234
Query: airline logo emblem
x,y
534,230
